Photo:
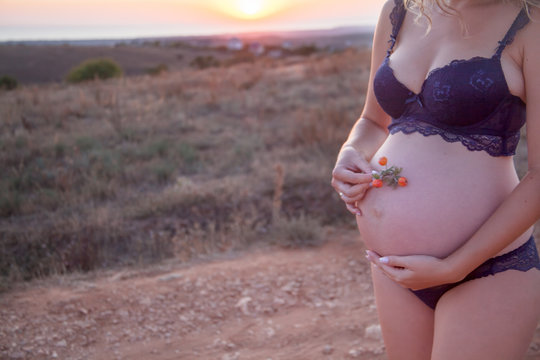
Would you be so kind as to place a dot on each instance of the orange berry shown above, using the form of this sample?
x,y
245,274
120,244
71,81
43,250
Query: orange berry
x,y
402,181
383,160
377,183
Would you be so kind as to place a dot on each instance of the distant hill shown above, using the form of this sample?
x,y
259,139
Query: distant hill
x,y
50,61
292,34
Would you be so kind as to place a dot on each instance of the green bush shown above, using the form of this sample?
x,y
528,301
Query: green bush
x,y
94,69
8,82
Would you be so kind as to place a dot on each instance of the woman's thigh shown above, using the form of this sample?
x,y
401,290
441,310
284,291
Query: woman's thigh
x,y
488,318
406,322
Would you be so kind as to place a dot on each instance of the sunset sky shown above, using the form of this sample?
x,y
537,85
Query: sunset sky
x,y
99,19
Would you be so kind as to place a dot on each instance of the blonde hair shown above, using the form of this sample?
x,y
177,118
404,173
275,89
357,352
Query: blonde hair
x,y
419,7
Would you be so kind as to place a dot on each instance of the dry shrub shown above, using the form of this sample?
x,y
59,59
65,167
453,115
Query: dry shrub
x,y
203,62
213,215
278,193
243,76
171,89
350,60
321,126
61,243
240,57
210,238
295,232
189,198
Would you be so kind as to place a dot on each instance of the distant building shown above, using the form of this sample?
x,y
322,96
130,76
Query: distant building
x,y
235,44
276,53
256,48
287,45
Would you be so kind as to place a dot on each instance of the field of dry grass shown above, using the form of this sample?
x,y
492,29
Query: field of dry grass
x,y
135,170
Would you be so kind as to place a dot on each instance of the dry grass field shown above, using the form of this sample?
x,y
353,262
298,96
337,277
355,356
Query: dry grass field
x,y
138,169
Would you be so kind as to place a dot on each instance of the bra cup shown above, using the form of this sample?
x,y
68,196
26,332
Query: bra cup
x,y
464,94
466,101
388,92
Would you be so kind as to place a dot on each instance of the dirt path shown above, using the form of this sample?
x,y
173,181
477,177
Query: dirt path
x,y
265,304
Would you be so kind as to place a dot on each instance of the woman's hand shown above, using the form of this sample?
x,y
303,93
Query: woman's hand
x,y
414,271
351,177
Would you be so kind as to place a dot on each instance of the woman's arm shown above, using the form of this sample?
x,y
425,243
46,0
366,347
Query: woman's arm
x,y
352,173
515,215
522,208
369,132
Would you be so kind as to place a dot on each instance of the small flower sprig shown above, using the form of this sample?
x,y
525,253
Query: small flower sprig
x,y
389,176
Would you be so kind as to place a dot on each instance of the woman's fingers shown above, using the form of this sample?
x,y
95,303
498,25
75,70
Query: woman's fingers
x,y
394,271
345,175
355,193
351,178
353,209
399,275
413,271
393,262
357,190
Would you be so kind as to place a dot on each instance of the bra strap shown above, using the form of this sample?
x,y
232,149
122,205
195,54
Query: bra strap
x,y
396,18
520,21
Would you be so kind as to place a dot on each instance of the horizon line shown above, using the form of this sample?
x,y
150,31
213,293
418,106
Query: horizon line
x,y
193,35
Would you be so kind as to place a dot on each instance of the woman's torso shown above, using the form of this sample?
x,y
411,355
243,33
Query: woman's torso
x,y
450,193
451,190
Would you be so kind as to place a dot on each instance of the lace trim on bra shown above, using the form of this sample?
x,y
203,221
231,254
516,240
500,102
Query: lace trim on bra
x,y
494,145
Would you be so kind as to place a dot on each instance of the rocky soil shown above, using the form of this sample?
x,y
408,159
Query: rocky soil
x,y
314,303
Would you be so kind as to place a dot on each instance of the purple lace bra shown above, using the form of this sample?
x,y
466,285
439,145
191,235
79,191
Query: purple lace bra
x,y
466,100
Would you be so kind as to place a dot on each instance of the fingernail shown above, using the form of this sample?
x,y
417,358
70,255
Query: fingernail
x,y
384,260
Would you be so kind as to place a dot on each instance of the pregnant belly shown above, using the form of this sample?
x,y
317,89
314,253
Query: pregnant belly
x,y
451,192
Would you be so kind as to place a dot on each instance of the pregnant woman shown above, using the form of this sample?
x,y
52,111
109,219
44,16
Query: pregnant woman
x,y
455,268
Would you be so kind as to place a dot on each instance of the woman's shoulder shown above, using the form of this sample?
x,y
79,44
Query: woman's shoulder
x,y
388,10
390,5
528,48
531,30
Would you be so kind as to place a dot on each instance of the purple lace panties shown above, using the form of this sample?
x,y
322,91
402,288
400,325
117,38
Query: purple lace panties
x,y
523,258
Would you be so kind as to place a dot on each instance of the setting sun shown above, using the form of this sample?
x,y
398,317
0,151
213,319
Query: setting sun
x,y
86,19
249,7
